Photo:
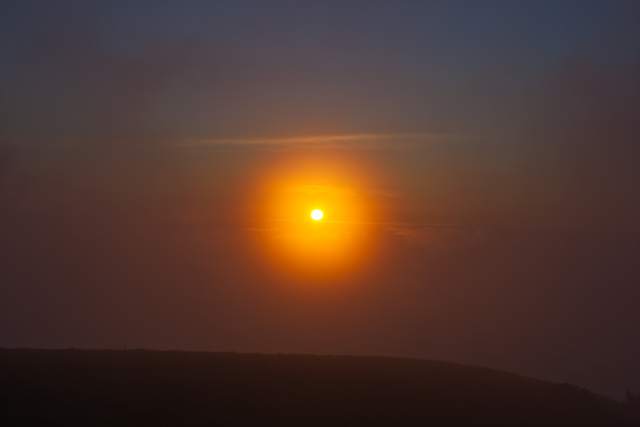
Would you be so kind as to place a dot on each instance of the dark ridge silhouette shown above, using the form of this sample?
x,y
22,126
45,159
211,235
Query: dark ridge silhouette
x,y
109,388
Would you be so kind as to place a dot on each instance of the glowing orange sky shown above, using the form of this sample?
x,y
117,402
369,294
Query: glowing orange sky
x,y
297,245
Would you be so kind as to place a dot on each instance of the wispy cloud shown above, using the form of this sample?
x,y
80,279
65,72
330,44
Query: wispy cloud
x,y
328,141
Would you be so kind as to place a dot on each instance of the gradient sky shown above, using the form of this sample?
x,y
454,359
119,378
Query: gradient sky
x,y
496,141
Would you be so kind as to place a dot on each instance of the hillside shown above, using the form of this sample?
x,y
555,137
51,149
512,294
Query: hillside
x,y
72,387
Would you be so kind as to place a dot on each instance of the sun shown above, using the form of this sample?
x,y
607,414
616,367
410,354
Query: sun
x,y
317,214
312,222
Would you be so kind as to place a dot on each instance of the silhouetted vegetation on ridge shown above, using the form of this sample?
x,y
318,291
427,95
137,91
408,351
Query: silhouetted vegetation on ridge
x,y
74,387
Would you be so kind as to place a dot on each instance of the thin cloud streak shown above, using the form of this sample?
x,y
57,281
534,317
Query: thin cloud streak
x,y
333,141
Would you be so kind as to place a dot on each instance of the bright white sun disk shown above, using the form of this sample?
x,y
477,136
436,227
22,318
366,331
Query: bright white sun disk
x,y
317,215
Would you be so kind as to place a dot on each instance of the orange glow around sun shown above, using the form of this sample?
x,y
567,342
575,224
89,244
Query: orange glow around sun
x,y
315,218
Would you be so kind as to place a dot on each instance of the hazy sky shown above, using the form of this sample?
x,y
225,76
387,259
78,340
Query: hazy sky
x,y
495,144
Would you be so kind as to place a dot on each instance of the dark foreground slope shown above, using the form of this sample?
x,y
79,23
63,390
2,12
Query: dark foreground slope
x,y
180,388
